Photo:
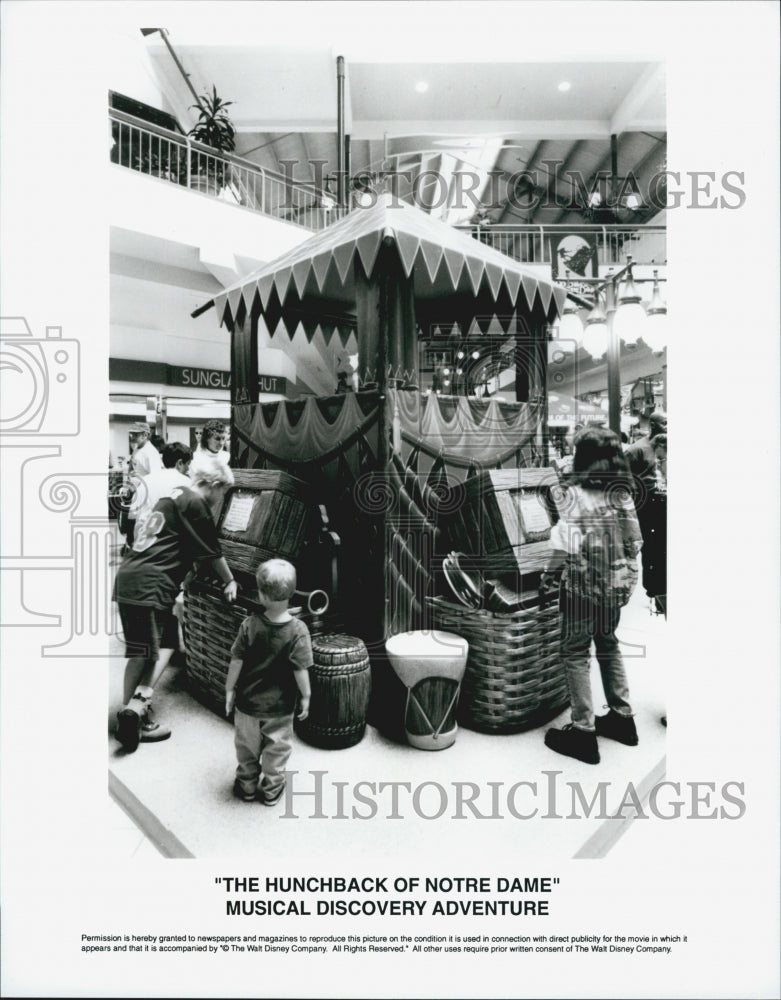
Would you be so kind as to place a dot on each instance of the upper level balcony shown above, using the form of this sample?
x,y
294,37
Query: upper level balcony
x,y
175,159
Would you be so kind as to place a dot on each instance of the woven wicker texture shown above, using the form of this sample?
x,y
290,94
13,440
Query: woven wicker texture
x,y
210,629
514,677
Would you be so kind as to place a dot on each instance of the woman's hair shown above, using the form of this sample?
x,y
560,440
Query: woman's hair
x,y
209,428
599,462
276,578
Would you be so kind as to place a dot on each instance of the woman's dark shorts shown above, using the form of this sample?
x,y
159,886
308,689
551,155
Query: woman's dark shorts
x,y
147,630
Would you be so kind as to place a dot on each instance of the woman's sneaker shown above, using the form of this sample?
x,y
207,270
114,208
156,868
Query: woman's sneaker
x,y
617,727
571,742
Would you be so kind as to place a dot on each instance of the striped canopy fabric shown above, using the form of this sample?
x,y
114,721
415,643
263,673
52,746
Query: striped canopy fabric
x,y
317,278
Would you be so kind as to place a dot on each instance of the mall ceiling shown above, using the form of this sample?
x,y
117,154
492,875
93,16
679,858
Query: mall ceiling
x,y
530,148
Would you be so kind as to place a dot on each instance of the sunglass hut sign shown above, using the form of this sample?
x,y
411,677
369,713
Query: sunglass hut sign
x,y
212,378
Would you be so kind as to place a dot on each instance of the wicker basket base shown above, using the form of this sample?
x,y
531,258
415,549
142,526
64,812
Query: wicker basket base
x,y
210,629
514,679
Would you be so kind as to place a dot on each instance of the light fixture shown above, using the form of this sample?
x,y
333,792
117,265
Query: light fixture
x,y
633,202
595,199
561,345
564,86
629,321
570,327
656,322
595,334
421,86
327,203
475,355
459,354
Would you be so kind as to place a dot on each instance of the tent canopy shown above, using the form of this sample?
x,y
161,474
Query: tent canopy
x,y
453,273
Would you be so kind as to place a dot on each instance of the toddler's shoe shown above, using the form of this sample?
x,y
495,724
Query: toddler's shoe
x,y
617,727
239,792
271,798
571,742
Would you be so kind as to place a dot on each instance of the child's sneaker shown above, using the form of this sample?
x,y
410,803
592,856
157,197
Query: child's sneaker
x,y
571,742
239,792
271,798
151,731
617,727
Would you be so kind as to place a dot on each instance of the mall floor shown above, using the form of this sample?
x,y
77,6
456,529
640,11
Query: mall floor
x,y
183,805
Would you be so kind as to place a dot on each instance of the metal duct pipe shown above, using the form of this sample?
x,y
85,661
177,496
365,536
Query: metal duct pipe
x,y
185,75
340,157
613,169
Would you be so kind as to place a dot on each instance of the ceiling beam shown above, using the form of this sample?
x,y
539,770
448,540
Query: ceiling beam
x,y
651,80
528,168
529,129
552,185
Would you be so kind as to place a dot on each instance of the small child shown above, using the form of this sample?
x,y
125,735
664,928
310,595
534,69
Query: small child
x,y
270,660
597,540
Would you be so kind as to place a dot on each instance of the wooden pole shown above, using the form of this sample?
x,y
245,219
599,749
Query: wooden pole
x,y
613,361
244,369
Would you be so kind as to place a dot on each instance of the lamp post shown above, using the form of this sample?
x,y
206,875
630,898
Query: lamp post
x,y
622,318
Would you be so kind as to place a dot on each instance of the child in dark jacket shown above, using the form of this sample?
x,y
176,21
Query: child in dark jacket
x,y
597,541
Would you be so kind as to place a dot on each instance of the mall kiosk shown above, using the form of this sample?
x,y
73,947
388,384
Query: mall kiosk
x,y
390,463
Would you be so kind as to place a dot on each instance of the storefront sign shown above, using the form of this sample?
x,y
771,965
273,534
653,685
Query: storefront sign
x,y
125,370
200,378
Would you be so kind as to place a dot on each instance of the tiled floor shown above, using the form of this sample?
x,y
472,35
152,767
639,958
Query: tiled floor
x,y
184,806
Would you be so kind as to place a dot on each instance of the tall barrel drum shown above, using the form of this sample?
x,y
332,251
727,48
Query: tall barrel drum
x,y
341,685
430,665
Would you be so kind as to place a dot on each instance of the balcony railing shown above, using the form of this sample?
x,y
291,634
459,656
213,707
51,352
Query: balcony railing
x,y
533,244
174,158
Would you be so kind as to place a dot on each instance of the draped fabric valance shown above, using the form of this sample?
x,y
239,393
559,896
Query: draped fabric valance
x,y
465,427
313,429
316,430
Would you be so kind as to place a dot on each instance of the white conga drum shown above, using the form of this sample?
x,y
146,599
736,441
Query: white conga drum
x,y
431,666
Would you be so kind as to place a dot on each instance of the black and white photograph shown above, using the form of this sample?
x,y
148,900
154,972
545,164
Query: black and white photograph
x,y
354,672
